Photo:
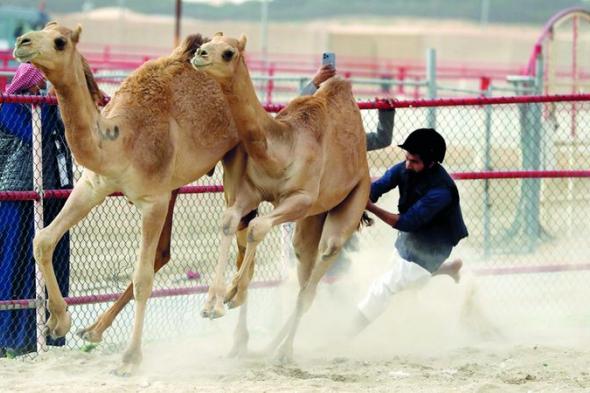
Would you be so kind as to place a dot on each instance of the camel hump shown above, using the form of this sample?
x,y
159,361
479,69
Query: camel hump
x,y
307,112
335,86
187,48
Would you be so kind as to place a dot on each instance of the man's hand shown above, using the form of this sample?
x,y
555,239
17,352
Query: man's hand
x,y
390,102
324,73
387,217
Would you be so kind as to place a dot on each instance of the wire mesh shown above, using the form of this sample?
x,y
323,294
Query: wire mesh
x,y
534,224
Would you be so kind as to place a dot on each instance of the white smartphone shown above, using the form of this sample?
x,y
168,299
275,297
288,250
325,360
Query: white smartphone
x,y
329,58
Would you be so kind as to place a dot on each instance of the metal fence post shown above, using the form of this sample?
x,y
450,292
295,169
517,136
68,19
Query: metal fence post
x,y
431,80
487,167
535,230
526,224
38,219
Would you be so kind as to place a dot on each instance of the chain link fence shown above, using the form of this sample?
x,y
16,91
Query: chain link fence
x,y
521,166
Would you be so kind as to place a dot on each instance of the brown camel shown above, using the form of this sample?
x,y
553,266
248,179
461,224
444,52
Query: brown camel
x,y
309,161
166,126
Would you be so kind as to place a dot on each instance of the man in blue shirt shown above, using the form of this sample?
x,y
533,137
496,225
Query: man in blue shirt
x,y
429,222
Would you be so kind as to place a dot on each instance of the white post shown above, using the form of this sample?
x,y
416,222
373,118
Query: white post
x,y
484,15
431,80
38,217
264,46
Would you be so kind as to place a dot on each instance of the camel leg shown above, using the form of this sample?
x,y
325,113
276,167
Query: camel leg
x,y
230,223
241,335
339,225
93,333
306,240
88,192
154,212
290,209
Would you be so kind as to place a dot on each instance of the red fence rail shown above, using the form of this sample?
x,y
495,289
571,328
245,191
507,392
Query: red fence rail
x,y
483,175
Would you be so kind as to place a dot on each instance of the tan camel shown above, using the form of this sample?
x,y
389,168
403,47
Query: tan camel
x,y
309,161
166,126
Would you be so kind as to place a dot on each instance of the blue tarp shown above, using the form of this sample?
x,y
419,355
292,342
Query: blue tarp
x,y
17,266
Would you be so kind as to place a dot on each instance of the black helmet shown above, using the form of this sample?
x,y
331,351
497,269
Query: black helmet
x,y
427,143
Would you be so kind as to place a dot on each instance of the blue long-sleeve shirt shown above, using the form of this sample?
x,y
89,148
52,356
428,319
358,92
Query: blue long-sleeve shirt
x,y
430,221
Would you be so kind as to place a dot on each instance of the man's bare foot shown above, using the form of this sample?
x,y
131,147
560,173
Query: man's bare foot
x,y
451,268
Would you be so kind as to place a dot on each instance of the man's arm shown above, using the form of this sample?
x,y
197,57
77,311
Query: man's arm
x,y
424,210
385,183
308,90
384,134
323,74
385,216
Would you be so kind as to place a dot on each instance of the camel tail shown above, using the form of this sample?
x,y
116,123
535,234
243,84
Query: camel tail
x,y
187,48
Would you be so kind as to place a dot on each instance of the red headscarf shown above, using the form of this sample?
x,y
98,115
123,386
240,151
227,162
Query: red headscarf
x,y
26,76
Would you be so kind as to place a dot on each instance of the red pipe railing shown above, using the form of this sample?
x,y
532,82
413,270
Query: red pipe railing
x,y
109,297
217,188
64,194
488,175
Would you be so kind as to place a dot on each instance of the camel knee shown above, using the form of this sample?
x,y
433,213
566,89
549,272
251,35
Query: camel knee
x,y
258,229
142,285
331,248
43,247
56,306
230,222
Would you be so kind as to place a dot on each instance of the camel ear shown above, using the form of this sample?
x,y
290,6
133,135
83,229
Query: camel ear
x,y
218,34
242,42
76,34
51,23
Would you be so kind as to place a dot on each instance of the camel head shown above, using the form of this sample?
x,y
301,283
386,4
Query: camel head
x,y
52,49
220,57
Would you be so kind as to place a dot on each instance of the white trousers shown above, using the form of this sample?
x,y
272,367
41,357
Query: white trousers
x,y
403,275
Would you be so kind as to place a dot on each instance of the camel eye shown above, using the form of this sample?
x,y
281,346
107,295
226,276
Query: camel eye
x,y
60,43
227,55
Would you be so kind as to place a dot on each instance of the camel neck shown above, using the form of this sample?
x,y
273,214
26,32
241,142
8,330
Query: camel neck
x,y
252,120
79,113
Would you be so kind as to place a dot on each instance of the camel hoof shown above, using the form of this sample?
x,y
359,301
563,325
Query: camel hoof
x,y
231,293
284,356
283,359
89,335
217,312
207,309
238,299
125,370
238,351
59,327
214,313
131,360
234,303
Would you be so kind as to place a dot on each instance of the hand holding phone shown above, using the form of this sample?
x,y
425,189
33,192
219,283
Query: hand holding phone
x,y
329,58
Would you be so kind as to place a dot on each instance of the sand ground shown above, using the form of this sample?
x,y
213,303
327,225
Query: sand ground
x,y
441,338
